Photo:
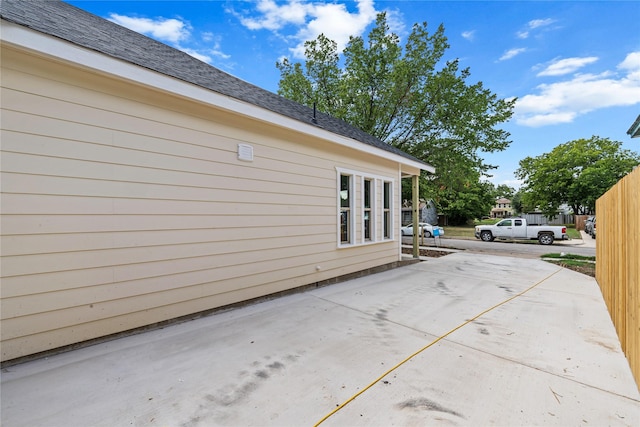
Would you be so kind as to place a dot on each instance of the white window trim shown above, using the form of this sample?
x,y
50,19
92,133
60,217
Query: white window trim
x,y
377,208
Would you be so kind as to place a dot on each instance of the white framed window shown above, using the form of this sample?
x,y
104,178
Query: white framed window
x,y
365,208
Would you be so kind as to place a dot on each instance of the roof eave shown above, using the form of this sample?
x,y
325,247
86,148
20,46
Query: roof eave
x,y
53,47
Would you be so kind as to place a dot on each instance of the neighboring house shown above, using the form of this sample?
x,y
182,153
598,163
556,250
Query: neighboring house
x,y
502,208
427,212
634,130
140,185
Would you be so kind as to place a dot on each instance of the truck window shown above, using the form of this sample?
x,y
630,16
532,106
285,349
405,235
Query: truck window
x,y
505,223
518,222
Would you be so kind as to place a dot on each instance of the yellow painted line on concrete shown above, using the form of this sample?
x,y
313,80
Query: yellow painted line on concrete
x,y
352,398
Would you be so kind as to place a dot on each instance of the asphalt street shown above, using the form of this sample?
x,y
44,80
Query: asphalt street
x,y
524,249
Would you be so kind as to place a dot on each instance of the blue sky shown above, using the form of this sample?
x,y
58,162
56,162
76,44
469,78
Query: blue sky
x,y
573,65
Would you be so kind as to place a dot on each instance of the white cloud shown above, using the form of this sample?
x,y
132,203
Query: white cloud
x,y
469,35
631,64
501,180
198,55
532,25
546,119
215,42
512,53
395,21
563,101
537,23
274,16
561,67
208,36
171,30
335,22
514,183
331,19
204,55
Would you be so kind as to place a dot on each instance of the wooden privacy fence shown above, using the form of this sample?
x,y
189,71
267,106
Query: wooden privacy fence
x,y
618,260
581,220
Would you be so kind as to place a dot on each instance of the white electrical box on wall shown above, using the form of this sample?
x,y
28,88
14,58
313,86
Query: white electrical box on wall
x,y
245,152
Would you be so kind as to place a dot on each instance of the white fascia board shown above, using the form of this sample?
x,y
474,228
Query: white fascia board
x,y
48,46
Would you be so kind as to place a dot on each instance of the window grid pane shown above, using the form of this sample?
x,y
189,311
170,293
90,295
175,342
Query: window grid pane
x,y
345,230
367,209
345,197
345,209
387,210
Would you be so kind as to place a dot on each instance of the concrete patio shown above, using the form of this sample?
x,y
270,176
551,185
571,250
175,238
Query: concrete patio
x,y
549,356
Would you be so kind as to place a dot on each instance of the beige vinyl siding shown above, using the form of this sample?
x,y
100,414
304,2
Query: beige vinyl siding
x,y
123,206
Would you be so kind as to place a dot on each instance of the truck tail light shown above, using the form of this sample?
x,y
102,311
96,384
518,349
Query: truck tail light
x,y
564,230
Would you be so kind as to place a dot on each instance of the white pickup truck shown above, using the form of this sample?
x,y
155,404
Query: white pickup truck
x,y
517,228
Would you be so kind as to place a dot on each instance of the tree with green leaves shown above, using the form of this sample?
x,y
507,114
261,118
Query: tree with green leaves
x,y
473,200
516,202
505,191
576,173
410,98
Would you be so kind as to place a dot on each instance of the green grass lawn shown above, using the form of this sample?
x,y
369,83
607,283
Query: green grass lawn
x,y
582,264
570,257
572,232
459,232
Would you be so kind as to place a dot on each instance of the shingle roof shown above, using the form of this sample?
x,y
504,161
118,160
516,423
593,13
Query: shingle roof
x,y
82,28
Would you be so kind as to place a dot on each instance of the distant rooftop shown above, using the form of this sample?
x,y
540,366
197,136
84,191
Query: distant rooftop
x,y
634,130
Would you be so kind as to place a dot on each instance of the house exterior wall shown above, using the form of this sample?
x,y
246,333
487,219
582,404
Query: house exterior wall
x,y
123,206
502,209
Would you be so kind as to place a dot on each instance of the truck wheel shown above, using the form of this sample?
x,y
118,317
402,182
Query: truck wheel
x,y
486,236
427,233
545,239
